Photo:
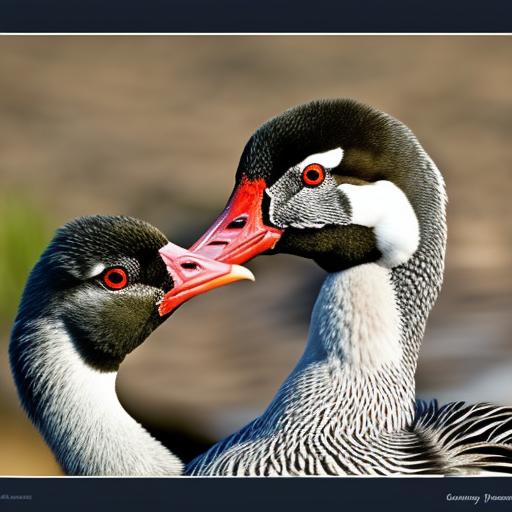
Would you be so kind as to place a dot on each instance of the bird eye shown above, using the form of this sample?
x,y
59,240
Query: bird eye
x,y
313,175
115,278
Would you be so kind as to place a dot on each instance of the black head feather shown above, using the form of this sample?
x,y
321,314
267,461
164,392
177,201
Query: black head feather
x,y
67,285
375,147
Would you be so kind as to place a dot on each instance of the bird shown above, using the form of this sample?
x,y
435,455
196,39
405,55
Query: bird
x,y
350,187
102,285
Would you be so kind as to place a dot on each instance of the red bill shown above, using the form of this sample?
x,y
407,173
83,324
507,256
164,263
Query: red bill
x,y
239,233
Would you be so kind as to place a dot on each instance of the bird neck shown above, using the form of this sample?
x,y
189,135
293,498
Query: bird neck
x,y
76,407
365,334
366,330
357,371
356,349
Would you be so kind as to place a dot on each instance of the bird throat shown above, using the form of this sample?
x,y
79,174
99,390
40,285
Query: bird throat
x,y
355,321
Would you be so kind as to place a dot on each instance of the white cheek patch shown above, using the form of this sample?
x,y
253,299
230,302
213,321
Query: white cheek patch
x,y
385,208
329,159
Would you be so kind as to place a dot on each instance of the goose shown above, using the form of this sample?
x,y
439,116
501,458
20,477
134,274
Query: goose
x,y
89,301
351,188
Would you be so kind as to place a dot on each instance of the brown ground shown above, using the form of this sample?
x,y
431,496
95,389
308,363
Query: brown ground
x,y
153,127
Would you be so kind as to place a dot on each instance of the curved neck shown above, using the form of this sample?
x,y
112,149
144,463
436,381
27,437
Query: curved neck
x,y
354,361
365,334
77,410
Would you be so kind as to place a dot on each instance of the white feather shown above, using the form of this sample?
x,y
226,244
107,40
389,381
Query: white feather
x,y
329,159
96,270
384,207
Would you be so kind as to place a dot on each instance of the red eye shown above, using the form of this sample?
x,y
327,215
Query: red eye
x,y
313,175
115,278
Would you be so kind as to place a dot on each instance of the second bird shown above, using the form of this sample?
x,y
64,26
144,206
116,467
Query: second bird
x,y
350,187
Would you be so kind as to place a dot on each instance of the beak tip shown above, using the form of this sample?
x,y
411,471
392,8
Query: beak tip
x,y
242,273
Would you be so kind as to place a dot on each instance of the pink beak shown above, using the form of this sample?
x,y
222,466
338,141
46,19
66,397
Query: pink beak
x,y
193,274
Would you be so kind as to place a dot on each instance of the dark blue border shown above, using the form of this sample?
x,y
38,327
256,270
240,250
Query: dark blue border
x,y
252,16
255,16
253,495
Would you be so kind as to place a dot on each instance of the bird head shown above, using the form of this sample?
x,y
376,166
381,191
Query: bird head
x,y
332,180
111,280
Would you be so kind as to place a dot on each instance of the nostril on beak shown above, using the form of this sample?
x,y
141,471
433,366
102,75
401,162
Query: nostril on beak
x,y
189,265
217,242
238,223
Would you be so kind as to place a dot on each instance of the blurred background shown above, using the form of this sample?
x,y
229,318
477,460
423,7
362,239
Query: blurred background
x,y
154,126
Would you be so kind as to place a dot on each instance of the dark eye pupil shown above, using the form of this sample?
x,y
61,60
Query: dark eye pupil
x,y
116,277
313,175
